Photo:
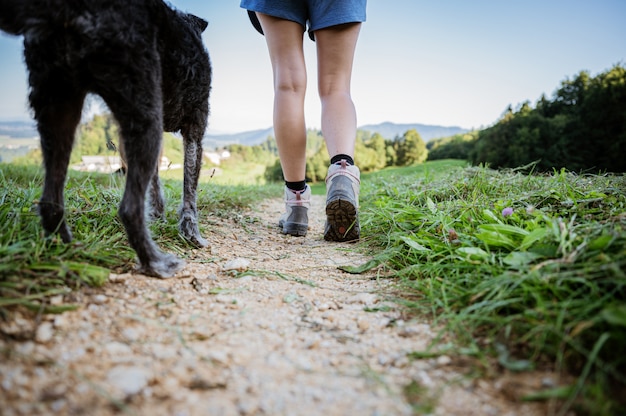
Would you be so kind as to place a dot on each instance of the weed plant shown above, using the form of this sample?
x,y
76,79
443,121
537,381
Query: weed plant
x,y
528,267
35,268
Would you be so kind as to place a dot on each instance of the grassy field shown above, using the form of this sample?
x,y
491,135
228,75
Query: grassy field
x,y
527,271
34,268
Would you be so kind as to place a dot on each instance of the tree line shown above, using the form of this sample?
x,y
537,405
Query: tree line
x,y
372,152
581,128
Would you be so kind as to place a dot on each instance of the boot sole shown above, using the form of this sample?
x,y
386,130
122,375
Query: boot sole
x,y
342,222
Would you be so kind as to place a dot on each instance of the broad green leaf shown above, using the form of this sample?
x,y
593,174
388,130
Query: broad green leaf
x,y
505,229
93,275
561,392
615,314
495,239
601,243
413,244
534,236
362,268
473,252
520,258
490,216
431,206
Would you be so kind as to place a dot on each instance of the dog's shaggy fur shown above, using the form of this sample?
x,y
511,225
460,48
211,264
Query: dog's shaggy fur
x,y
148,63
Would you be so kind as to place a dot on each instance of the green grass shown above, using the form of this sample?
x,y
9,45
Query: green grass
x,y
542,287
33,268
242,174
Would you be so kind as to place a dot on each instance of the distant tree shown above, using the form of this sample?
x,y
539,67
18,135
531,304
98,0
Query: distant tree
x,y
458,146
411,149
366,155
317,165
390,153
376,143
99,136
274,172
314,141
33,157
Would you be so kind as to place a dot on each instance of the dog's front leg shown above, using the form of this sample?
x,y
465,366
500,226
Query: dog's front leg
x,y
156,199
135,101
142,156
188,212
57,107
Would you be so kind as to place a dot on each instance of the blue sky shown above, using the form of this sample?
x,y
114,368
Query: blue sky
x,y
451,63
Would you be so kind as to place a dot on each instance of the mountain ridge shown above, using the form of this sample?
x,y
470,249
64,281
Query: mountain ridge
x,y
387,129
390,130
18,129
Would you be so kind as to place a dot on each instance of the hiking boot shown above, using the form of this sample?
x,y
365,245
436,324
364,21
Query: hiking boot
x,y
342,203
295,221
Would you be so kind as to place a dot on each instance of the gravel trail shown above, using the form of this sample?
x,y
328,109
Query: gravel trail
x,y
293,335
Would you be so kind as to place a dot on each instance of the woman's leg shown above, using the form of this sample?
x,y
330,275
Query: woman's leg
x,y
284,42
335,55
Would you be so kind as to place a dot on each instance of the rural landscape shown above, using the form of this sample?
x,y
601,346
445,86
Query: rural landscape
x,y
490,277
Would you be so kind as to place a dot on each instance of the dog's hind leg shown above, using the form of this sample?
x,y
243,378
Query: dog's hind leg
x,y
188,212
135,100
57,107
156,198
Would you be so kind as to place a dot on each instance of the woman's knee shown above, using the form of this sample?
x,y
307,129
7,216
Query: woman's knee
x,y
291,81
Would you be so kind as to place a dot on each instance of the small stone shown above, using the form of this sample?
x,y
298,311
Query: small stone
x,y
313,345
117,349
58,405
53,392
238,265
363,324
363,299
384,359
99,299
163,352
56,300
25,348
130,334
129,380
409,331
60,322
443,360
119,278
44,333
323,307
424,379
329,317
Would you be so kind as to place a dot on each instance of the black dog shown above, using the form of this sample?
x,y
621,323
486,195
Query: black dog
x,y
148,63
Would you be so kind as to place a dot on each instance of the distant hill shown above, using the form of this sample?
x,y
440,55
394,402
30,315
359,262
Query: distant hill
x,y
390,130
27,130
248,138
18,129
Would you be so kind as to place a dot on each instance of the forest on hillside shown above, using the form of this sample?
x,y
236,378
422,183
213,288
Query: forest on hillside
x,y
581,128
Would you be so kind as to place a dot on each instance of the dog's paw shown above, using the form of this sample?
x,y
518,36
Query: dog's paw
x,y
164,267
188,228
198,241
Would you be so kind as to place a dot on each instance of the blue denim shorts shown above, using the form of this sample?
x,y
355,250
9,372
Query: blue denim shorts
x,y
318,14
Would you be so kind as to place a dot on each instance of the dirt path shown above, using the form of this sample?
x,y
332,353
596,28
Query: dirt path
x,y
293,336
